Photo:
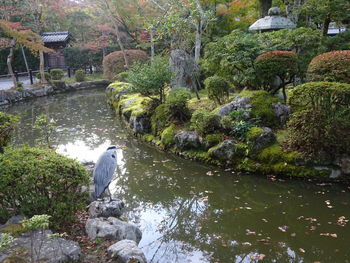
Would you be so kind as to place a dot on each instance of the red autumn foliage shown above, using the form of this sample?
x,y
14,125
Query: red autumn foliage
x,y
114,64
331,66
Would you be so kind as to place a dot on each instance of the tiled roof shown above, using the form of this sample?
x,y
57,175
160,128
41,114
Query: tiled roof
x,y
52,37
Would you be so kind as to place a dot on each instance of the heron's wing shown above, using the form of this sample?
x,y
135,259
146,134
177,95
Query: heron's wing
x,y
103,172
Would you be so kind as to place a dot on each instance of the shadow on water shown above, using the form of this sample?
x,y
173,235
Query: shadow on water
x,y
189,212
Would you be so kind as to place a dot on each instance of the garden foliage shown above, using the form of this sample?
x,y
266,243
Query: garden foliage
x,y
218,89
320,126
80,75
176,102
7,126
36,181
57,74
331,66
205,122
114,63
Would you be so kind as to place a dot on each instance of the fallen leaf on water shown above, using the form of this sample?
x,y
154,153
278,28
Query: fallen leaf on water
x,y
246,244
313,228
302,250
283,228
264,220
250,233
293,235
329,235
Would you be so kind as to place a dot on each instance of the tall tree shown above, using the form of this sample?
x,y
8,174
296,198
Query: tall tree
x,y
265,5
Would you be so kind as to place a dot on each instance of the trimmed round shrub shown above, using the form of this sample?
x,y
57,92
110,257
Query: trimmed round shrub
x,y
218,89
205,122
37,181
80,75
176,102
276,64
47,76
319,129
114,63
7,126
57,74
331,66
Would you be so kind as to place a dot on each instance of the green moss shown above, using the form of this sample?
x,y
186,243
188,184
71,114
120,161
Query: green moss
x,y
134,105
159,119
13,229
274,154
214,139
262,102
254,133
148,138
167,137
204,103
281,136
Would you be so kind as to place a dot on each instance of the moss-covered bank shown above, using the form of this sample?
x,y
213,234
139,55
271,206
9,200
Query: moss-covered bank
x,y
245,144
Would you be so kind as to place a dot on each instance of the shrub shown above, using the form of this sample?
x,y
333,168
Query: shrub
x,y
80,75
149,79
331,66
167,137
176,102
114,63
320,126
57,74
218,89
205,122
122,76
240,128
159,119
214,139
7,126
47,76
276,64
36,181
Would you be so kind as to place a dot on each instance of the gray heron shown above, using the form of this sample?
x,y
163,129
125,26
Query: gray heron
x,y
104,170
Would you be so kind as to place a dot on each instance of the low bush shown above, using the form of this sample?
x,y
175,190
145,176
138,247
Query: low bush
x,y
7,126
80,75
176,102
330,66
47,76
36,181
320,127
57,74
150,79
122,76
159,119
276,64
205,122
218,89
114,63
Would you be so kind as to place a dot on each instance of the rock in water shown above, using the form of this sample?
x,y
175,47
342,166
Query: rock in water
x,y
126,251
46,249
106,209
112,229
184,70
185,140
263,141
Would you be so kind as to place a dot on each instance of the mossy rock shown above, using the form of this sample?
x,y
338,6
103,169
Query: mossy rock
x,y
14,259
148,138
262,106
213,139
159,119
134,105
13,229
167,137
254,133
274,154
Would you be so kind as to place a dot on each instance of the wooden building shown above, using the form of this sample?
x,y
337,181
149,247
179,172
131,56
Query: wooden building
x,y
56,41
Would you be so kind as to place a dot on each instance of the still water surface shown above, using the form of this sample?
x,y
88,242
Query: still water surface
x,y
189,212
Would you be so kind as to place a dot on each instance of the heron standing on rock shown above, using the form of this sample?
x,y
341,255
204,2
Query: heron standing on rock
x,y
104,170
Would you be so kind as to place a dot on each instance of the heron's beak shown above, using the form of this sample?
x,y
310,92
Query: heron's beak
x,y
122,147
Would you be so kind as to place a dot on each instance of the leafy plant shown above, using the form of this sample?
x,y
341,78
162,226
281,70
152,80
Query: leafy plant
x,y
57,74
205,121
114,63
6,240
218,89
150,79
35,181
47,76
331,66
320,126
7,126
176,102
79,75
47,128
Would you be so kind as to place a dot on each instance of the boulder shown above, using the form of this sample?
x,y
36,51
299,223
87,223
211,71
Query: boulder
x,y
263,141
282,112
112,229
140,124
226,151
126,251
185,140
105,208
184,70
46,249
239,103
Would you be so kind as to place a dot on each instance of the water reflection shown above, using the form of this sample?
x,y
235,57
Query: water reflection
x,y
190,212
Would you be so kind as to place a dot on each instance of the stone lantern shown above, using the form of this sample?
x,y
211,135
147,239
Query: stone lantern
x,y
274,21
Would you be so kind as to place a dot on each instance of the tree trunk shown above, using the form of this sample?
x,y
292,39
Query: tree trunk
x,y
152,44
117,32
9,62
25,59
265,5
198,44
42,68
325,26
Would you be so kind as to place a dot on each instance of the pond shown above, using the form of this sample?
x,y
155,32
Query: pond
x,y
190,212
